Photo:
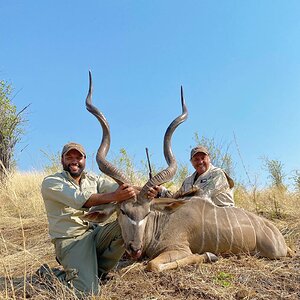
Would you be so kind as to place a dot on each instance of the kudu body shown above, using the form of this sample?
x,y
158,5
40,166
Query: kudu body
x,y
188,230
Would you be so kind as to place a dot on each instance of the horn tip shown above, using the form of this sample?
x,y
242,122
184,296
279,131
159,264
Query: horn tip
x,y
182,97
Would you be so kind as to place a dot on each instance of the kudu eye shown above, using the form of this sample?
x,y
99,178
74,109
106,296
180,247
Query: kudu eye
x,y
122,211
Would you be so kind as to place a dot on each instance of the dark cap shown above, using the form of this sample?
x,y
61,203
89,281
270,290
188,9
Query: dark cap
x,y
199,149
73,146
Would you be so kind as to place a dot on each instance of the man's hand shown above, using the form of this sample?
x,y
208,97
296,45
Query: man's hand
x,y
124,192
153,192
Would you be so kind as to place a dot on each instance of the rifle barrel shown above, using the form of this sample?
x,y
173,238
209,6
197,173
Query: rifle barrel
x,y
149,164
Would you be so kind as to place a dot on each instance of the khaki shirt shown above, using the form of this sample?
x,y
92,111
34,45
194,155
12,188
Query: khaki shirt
x,y
64,200
214,185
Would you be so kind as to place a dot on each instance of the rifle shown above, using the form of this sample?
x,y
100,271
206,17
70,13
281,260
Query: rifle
x,y
149,165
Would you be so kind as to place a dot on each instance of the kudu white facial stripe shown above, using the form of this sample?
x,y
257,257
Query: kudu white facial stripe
x,y
135,223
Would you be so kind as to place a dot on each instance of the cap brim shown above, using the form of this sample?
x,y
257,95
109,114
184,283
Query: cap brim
x,y
74,148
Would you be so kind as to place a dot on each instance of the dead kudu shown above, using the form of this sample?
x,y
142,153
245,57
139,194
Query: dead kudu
x,y
177,232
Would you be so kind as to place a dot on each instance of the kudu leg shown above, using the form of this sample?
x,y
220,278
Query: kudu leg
x,y
175,259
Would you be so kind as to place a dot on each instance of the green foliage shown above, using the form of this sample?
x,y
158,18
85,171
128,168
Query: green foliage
x,y
145,171
276,173
7,110
296,180
54,164
223,279
125,163
10,128
218,153
277,176
181,174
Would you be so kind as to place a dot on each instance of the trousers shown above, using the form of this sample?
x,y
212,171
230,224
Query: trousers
x,y
91,254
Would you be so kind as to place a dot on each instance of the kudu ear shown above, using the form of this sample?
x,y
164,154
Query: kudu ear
x,y
167,205
99,213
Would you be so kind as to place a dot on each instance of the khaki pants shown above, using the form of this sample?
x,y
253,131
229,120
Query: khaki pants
x,y
95,252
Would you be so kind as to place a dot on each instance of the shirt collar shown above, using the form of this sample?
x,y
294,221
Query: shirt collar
x,y
68,176
205,173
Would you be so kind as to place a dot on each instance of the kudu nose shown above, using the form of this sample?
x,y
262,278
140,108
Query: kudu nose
x,y
135,251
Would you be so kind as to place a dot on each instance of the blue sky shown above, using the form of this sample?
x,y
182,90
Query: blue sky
x,y
238,62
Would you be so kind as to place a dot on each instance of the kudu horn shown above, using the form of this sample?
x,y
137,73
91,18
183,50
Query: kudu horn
x,y
105,166
168,173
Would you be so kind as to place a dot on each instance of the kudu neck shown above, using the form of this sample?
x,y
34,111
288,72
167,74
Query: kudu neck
x,y
154,228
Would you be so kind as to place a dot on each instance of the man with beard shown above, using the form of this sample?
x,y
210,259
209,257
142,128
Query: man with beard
x,y
207,181
90,250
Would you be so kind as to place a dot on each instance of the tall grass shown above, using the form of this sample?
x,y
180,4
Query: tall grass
x,y
20,195
25,245
22,209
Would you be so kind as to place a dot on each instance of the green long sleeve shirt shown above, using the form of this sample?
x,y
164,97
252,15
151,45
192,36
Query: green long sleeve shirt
x,y
64,200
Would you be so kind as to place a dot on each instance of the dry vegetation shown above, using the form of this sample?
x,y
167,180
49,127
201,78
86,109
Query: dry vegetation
x,y
25,245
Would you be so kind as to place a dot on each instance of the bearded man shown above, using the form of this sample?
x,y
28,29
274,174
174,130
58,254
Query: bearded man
x,y
89,249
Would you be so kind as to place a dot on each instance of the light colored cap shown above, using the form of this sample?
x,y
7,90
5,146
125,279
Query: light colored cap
x,y
199,149
73,146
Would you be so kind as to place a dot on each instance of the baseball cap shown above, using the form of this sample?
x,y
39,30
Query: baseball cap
x,y
199,149
73,146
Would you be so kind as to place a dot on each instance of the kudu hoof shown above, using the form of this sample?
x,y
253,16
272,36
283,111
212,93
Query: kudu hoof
x,y
210,257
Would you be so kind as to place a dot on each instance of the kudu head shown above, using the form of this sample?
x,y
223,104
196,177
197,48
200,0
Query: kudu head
x,y
133,213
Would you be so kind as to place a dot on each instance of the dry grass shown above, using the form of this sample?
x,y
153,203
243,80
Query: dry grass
x,y
25,245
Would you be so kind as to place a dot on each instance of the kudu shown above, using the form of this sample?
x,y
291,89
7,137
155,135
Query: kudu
x,y
188,230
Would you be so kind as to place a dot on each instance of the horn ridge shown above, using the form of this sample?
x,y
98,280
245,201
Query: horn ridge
x,y
105,166
168,173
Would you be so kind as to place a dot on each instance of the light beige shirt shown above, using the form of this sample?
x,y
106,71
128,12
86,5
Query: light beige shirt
x,y
64,200
214,184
